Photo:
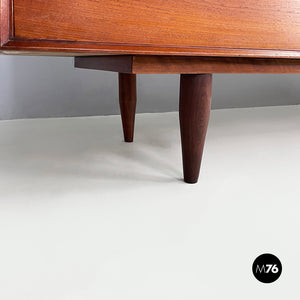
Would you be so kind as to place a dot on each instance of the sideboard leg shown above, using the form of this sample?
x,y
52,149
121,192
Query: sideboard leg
x,y
127,99
194,111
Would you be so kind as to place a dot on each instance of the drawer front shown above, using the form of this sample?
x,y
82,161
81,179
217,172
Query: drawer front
x,y
198,26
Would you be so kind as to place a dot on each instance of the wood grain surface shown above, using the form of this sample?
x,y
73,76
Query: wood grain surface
x,y
254,28
6,21
147,64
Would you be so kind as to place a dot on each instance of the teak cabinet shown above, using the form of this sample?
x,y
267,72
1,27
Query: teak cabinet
x,y
194,38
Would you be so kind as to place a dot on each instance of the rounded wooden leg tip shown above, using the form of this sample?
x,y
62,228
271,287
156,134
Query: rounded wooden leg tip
x,y
191,180
128,139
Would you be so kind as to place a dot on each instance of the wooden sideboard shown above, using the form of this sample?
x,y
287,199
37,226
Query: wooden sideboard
x,y
194,38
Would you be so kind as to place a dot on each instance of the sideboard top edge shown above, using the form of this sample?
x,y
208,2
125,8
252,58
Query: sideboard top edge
x,y
61,48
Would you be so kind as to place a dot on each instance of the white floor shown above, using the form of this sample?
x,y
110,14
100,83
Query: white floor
x,y
85,216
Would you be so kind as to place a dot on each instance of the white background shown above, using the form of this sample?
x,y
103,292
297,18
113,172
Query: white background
x,y
85,216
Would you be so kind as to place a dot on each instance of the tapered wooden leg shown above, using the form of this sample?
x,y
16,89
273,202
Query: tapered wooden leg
x,y
194,111
127,99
